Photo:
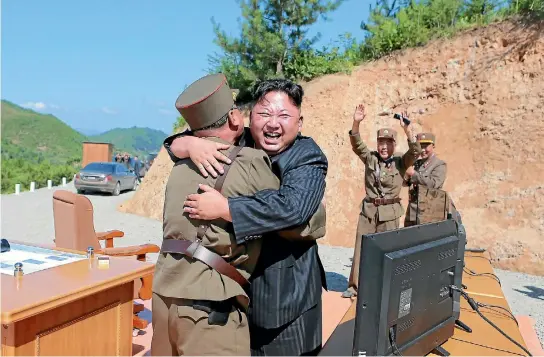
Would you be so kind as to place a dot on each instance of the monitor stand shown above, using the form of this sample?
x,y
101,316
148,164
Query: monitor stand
x,y
439,350
463,326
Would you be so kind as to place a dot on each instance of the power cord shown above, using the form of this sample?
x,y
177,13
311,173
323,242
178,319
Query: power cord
x,y
393,340
475,250
478,256
493,307
476,307
473,273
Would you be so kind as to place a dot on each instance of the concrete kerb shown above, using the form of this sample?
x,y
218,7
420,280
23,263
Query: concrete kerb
x,y
32,187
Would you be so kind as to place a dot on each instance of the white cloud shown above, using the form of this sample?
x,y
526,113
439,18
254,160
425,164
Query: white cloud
x,y
166,112
40,106
35,105
108,110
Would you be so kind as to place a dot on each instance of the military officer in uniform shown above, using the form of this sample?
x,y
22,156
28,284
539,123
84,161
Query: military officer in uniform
x,y
384,171
428,171
200,284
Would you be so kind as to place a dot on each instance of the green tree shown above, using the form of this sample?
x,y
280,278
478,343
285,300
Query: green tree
x,y
398,24
530,8
179,124
479,10
272,30
23,171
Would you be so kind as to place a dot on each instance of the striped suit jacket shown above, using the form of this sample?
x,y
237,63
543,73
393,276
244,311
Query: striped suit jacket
x,y
289,276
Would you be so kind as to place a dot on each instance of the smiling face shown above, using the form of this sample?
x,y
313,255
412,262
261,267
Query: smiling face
x,y
275,122
426,150
386,147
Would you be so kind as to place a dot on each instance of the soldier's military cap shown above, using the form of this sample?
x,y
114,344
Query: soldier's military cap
x,y
387,133
425,138
205,101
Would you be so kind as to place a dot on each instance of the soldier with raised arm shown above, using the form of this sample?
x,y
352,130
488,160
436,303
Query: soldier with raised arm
x,y
384,171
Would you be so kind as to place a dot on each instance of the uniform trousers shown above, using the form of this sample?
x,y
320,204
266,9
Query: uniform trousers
x,y
409,212
180,329
301,337
366,226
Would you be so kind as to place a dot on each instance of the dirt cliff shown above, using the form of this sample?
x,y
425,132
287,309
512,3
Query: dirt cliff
x,y
481,93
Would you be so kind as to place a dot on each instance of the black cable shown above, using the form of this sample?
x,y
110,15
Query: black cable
x,y
475,306
492,307
473,273
477,256
503,333
475,250
393,340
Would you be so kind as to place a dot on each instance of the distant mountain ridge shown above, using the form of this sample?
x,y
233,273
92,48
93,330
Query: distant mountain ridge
x,y
89,132
135,140
30,135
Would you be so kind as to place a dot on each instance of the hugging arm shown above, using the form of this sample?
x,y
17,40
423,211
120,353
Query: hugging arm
x,y
181,152
298,198
313,230
203,153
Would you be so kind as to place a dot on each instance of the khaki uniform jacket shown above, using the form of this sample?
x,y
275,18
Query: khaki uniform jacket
x,y
178,276
391,179
430,173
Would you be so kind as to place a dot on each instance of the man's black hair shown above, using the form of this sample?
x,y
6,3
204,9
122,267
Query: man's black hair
x,y
293,90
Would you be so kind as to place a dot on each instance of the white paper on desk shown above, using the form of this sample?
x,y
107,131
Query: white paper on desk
x,y
34,259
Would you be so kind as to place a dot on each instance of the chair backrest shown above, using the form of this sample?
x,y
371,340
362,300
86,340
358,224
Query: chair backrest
x,y
73,217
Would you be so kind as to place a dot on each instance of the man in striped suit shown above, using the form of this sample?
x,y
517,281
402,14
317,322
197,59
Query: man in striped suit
x,y
285,310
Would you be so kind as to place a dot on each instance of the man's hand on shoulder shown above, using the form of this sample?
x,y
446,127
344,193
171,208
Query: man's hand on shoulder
x,y
203,153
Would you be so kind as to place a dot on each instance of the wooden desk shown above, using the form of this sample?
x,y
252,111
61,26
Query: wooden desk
x,y
73,309
484,339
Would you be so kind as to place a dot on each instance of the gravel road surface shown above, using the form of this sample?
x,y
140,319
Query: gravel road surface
x,y
28,217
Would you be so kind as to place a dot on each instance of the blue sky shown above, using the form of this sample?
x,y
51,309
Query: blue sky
x,y
102,64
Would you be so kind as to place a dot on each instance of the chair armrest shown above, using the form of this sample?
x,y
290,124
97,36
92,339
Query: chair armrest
x,y
136,250
108,236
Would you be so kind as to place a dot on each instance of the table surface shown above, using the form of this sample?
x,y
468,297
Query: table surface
x,y
47,289
484,339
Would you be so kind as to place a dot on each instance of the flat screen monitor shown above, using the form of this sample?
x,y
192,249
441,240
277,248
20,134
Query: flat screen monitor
x,y
404,302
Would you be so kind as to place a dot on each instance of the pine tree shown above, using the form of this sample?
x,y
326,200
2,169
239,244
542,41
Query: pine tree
x,y
271,31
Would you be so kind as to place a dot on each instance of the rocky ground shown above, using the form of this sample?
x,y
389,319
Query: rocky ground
x,y
29,217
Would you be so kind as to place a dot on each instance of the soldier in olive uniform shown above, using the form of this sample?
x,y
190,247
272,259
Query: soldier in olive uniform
x,y
199,297
384,171
428,171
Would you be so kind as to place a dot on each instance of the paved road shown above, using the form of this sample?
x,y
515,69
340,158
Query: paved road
x,y
29,217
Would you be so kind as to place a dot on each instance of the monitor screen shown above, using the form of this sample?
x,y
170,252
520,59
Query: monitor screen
x,y
404,301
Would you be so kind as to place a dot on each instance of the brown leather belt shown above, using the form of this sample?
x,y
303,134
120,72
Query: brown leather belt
x,y
198,251
383,201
